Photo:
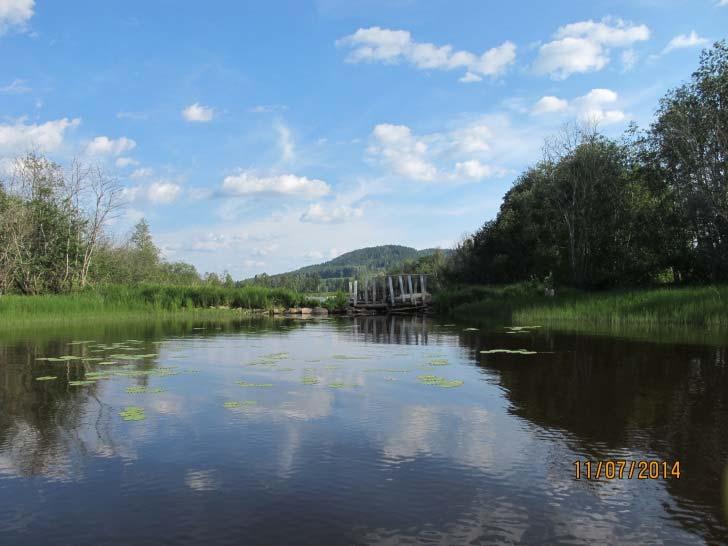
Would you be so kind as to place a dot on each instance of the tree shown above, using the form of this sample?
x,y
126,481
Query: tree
x,y
689,143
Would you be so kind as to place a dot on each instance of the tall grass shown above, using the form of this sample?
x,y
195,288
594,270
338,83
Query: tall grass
x,y
145,299
704,307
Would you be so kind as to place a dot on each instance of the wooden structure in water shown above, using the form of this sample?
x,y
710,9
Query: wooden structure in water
x,y
389,293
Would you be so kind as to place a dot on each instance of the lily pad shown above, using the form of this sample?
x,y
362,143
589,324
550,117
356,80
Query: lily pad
x,y
337,385
140,389
231,404
309,380
471,329
438,381
81,383
439,362
133,413
46,378
509,351
246,384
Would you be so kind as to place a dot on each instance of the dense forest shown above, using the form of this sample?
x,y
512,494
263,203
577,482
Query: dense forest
x,y
597,212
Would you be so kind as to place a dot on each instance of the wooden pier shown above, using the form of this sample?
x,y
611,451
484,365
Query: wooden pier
x,y
389,294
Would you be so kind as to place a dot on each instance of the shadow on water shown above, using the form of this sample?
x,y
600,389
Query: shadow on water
x,y
598,397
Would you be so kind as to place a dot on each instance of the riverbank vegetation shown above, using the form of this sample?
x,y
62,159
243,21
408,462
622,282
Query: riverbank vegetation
x,y
632,230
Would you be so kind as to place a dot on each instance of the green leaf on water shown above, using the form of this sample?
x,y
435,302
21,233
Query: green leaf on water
x,y
310,380
438,362
232,404
438,381
246,384
508,351
46,378
133,413
107,363
337,385
471,329
81,383
140,389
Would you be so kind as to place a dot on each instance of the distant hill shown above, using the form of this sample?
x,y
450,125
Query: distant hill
x,y
334,274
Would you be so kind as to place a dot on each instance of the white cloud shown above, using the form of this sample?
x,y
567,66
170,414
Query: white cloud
x,y
376,44
722,3
248,183
47,136
405,154
585,46
472,169
322,214
549,104
122,162
163,192
285,142
142,172
417,157
15,87
15,13
253,264
197,112
682,41
103,145
591,107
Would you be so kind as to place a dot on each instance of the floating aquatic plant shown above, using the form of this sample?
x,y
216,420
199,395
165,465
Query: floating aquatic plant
x,y
389,370
471,329
309,380
231,404
347,357
337,385
438,381
246,384
133,413
46,378
438,362
508,351
81,383
140,389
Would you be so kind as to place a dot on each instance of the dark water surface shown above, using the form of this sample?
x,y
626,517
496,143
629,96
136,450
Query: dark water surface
x,y
367,455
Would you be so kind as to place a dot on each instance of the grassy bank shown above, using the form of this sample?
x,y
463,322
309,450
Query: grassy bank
x,y
114,301
698,307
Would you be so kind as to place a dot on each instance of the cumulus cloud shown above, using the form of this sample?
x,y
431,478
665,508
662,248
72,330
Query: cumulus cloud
x,y
548,104
722,3
594,106
15,14
318,213
405,154
586,46
682,41
248,183
163,192
143,172
197,112
21,136
103,145
417,157
376,44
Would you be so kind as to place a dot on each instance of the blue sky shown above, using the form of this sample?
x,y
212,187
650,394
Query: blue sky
x,y
263,136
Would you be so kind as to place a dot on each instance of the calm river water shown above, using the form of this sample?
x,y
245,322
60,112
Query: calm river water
x,y
340,432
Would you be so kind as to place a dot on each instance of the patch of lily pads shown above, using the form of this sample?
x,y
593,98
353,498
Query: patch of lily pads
x,y
509,351
133,413
310,380
438,381
234,404
141,389
81,383
46,378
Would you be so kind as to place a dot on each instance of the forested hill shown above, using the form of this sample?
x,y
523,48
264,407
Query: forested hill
x,y
334,274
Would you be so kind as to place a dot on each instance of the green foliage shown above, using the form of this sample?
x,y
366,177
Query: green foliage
x,y
596,213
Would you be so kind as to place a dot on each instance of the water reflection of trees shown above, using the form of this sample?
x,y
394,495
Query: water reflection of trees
x,y
614,397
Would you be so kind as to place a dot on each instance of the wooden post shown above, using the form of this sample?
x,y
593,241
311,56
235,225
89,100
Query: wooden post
x,y
391,290
423,283
411,293
366,290
356,288
374,291
401,289
350,287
